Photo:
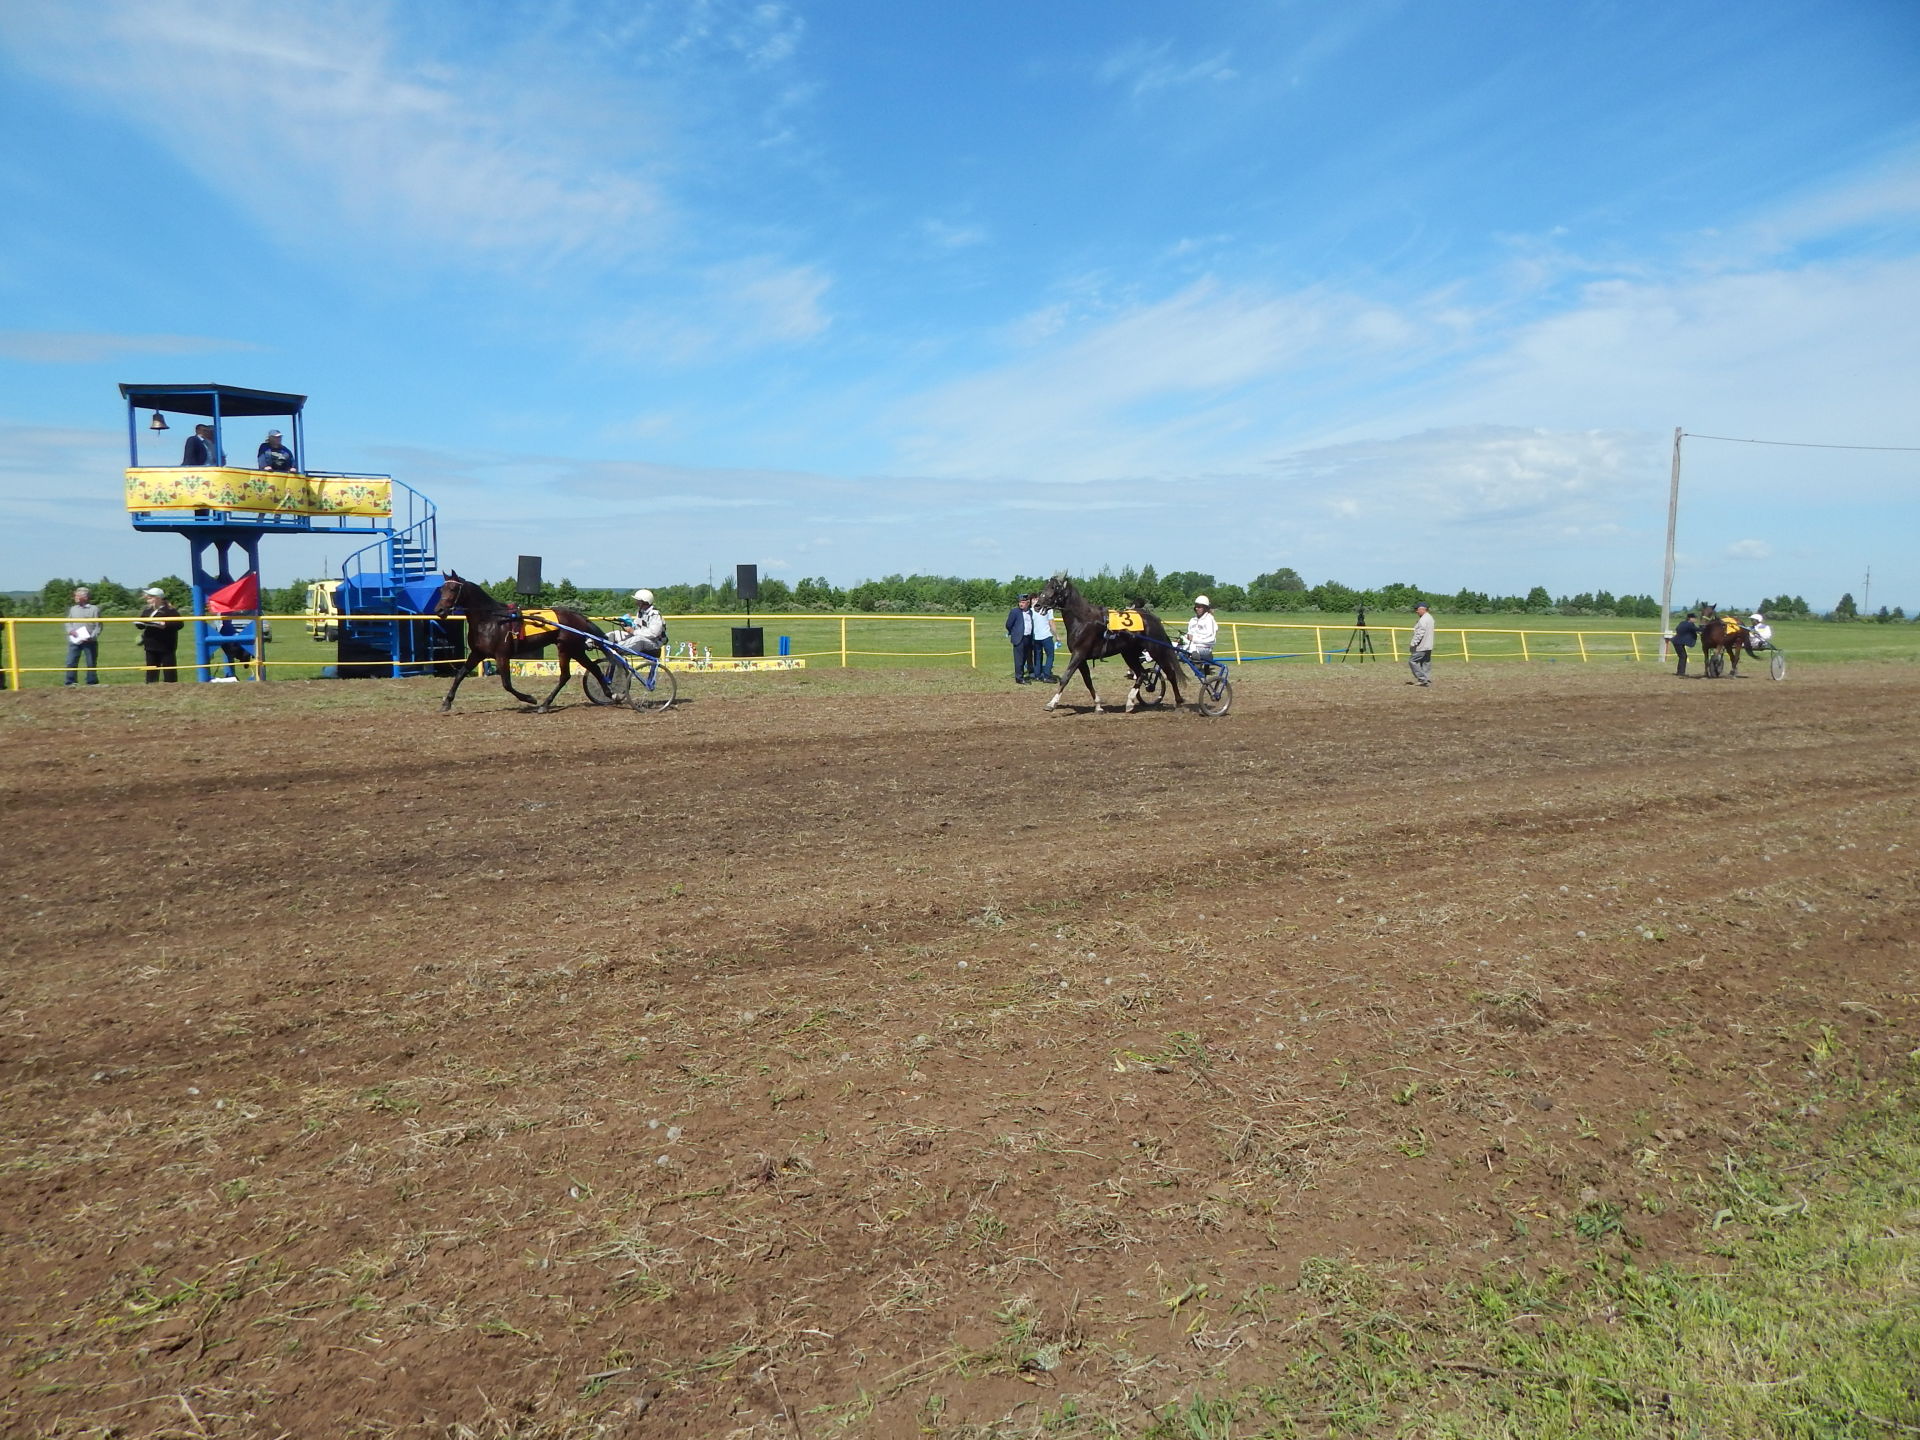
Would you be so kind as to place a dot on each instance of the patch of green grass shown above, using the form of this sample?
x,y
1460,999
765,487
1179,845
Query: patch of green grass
x,y
1805,1323
922,642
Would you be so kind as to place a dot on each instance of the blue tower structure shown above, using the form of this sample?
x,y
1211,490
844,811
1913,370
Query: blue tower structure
x,y
226,509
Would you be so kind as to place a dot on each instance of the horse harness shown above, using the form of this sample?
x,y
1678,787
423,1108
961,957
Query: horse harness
x,y
545,623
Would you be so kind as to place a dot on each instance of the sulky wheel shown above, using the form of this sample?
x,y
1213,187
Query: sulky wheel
x,y
653,691
1216,692
1777,665
1716,664
613,690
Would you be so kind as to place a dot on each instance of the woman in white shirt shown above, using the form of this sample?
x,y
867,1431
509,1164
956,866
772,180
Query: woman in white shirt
x,y
1043,645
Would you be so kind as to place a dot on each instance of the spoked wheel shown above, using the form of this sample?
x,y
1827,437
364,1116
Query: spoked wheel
x,y
652,691
611,691
1153,687
1716,664
1777,665
1216,691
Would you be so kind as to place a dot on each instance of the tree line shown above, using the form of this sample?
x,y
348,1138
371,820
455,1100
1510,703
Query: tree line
x,y
1277,592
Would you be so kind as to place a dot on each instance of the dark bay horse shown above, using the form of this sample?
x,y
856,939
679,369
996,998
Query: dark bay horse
x,y
1089,639
1723,634
498,633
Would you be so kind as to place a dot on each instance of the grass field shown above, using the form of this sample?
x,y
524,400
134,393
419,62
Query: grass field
x,y
893,642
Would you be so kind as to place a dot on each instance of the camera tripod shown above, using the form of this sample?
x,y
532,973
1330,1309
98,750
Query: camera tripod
x,y
1360,641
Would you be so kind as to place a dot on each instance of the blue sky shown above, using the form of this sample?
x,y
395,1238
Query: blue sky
x,y
1381,291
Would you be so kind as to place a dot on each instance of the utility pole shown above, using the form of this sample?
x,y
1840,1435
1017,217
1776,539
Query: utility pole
x,y
1866,594
1673,520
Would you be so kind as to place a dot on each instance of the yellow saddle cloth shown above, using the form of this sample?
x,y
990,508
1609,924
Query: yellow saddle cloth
x,y
1127,621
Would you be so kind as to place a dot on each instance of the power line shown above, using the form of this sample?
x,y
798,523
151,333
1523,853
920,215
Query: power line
x,y
1797,444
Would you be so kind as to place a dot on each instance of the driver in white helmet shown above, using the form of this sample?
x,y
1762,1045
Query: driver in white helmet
x,y
645,630
1759,633
1202,631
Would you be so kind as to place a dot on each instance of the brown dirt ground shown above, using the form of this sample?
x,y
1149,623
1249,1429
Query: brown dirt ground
x,y
810,1062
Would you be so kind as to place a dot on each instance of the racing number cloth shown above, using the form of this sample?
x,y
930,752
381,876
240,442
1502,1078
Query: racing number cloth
x,y
1126,622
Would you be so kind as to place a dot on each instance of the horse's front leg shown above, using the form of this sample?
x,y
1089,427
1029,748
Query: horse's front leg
x,y
466,669
506,683
1137,677
1075,662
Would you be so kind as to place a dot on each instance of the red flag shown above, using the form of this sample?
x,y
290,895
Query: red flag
x,y
242,597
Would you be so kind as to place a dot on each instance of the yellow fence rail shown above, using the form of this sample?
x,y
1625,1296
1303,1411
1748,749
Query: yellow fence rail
x,y
1255,640
32,644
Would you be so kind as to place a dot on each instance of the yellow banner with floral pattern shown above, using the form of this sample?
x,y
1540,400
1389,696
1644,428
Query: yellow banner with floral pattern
x,y
226,488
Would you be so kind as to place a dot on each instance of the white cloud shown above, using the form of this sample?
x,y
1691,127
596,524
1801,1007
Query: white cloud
x,y
948,235
1749,550
1142,68
729,310
1164,388
74,347
529,156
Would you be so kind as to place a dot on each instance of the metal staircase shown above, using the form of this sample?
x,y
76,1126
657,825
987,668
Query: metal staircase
x,y
396,575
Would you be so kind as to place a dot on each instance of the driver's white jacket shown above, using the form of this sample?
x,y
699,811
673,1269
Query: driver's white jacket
x,y
646,628
1762,633
1202,631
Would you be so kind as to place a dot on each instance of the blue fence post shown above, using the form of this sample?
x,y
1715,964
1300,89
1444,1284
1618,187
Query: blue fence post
x,y
786,644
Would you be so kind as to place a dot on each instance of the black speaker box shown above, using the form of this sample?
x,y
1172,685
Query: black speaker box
x,y
529,582
748,641
746,582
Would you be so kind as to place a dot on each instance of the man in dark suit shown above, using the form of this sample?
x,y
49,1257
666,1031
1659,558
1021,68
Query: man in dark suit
x,y
199,449
1686,635
1020,632
159,626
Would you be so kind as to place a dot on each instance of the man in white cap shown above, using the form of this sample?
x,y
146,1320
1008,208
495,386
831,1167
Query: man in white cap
x,y
646,629
274,455
1202,631
1420,647
159,627
1759,634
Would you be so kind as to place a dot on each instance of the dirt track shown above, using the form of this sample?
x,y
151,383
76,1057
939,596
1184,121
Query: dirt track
x,y
703,1074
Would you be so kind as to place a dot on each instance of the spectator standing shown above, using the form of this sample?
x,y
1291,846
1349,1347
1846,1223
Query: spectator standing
x,y
1020,632
1686,635
273,454
159,626
200,449
1420,647
1044,645
83,637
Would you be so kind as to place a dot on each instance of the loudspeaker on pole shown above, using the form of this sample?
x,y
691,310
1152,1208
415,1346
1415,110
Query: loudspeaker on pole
x,y
746,581
529,581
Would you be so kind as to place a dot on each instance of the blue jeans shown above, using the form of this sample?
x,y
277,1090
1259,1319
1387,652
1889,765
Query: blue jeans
x,y
1043,656
87,650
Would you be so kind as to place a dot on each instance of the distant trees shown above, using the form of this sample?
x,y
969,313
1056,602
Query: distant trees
x,y
1277,592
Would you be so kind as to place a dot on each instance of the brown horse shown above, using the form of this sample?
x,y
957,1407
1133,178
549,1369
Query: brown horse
x,y
1089,639
1723,639
500,633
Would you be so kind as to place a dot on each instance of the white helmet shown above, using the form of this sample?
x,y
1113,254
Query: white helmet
x,y
1759,619
1203,600
645,597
